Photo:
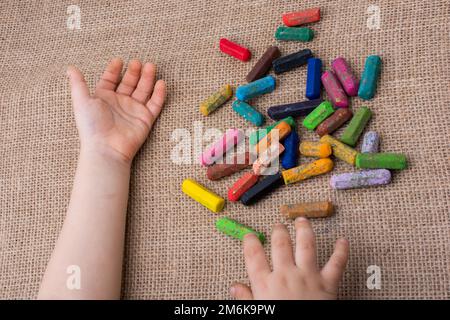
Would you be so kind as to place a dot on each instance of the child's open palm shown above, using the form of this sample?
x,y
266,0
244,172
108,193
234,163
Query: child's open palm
x,y
118,117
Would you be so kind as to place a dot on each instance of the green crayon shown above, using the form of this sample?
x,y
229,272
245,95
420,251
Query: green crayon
x,y
320,113
294,34
356,126
236,230
381,161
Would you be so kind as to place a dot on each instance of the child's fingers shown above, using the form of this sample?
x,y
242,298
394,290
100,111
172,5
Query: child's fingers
x,y
305,247
156,102
130,78
255,259
145,85
282,254
78,86
111,76
334,269
241,292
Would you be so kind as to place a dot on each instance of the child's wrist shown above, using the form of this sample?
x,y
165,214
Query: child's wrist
x,y
105,153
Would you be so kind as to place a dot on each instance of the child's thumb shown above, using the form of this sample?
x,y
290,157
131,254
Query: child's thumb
x,y
79,88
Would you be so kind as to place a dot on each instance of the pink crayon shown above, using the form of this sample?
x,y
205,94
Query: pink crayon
x,y
231,138
345,76
334,90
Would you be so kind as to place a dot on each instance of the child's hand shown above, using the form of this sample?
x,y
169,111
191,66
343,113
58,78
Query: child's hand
x,y
118,117
291,278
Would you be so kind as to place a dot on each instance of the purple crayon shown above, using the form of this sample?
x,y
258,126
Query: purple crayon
x,y
371,142
334,90
345,76
360,179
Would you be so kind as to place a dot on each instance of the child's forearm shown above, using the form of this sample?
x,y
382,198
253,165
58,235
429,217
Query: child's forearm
x,y
92,237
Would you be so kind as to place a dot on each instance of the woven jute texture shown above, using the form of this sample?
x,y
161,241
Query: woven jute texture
x,y
172,247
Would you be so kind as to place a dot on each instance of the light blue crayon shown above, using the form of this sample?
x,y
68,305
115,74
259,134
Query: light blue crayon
x,y
247,112
368,83
255,88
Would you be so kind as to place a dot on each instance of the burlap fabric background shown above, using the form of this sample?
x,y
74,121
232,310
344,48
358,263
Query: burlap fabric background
x,y
172,247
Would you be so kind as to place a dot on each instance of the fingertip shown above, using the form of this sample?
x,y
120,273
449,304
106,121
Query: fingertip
x,y
301,221
72,71
342,244
134,64
249,236
148,66
233,291
116,61
240,291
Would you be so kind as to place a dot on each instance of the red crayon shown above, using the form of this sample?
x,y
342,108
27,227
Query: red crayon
x,y
234,50
293,19
242,185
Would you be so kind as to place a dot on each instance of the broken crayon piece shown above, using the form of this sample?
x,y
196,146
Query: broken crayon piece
x,y
245,182
216,100
202,195
381,161
319,114
371,142
341,150
294,34
234,50
278,133
216,151
315,149
247,112
346,77
297,109
255,88
313,82
360,179
219,170
290,156
369,78
293,19
236,230
356,126
291,61
262,188
306,171
317,209
268,158
334,122
264,64
257,135
334,90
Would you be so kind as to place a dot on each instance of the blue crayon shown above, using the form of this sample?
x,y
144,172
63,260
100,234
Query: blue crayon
x,y
290,155
255,88
313,81
247,112
368,83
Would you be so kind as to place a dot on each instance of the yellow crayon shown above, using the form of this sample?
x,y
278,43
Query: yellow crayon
x,y
306,171
315,149
216,100
341,150
202,195
283,129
